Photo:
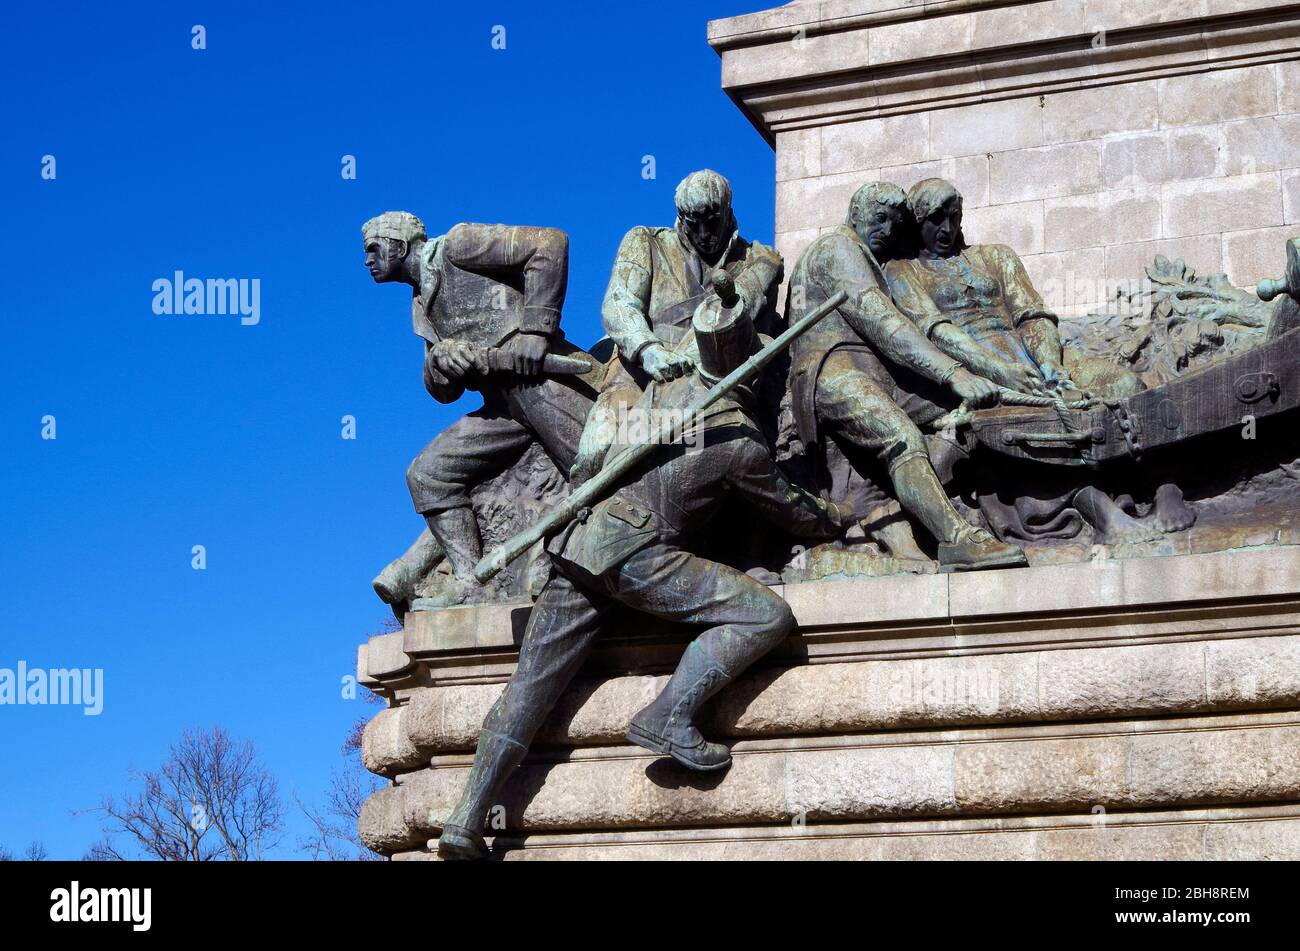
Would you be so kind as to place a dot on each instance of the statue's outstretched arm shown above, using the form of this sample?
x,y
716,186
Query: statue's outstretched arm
x,y
871,313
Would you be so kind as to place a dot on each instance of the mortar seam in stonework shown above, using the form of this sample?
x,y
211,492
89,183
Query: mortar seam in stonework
x,y
1205,673
1131,740
947,592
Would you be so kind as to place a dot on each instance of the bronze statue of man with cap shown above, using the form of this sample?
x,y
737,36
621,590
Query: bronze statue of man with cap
x,y
629,549
866,378
660,276
487,302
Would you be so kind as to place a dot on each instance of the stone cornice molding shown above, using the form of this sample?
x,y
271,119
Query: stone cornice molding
x,y
816,63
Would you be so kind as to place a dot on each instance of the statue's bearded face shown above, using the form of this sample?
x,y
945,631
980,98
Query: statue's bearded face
x,y
879,228
384,259
709,230
941,230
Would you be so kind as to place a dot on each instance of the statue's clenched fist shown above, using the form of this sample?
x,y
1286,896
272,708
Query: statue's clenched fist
x,y
663,364
454,358
526,352
975,391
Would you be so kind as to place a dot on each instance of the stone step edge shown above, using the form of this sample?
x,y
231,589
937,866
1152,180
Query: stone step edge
x,y
1238,760
948,601
737,838
1210,676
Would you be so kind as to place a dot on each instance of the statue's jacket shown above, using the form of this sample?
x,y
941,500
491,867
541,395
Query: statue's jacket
x,y
674,494
483,284
984,290
658,280
868,319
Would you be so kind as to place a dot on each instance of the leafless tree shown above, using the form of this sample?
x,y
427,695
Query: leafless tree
x,y
212,800
36,852
334,835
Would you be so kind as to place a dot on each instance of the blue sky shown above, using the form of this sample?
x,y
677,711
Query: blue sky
x,y
175,431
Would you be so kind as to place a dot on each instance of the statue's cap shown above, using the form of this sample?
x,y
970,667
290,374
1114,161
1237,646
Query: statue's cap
x,y
398,225
929,195
701,192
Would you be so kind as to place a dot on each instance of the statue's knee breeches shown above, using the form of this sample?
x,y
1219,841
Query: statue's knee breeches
x,y
469,452
855,407
745,618
770,616
759,623
886,431
432,488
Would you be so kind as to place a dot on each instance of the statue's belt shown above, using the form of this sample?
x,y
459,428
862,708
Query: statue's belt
x,y
672,324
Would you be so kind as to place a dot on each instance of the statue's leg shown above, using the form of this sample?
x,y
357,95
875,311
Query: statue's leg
x,y
747,621
561,629
556,413
396,584
457,532
889,528
471,451
854,478
855,407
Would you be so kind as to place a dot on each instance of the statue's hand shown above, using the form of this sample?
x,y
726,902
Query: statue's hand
x,y
526,352
594,445
841,516
1016,376
455,359
975,391
585,466
1056,377
663,364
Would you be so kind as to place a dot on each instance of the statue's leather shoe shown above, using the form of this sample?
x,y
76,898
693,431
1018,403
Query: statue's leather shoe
x,y
460,844
685,744
977,550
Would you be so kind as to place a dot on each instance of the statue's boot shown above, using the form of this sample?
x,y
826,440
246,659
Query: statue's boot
x,y
889,528
494,760
667,725
962,546
456,530
976,549
396,584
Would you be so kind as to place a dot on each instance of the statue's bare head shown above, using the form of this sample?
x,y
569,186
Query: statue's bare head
x,y
388,239
704,212
878,213
936,205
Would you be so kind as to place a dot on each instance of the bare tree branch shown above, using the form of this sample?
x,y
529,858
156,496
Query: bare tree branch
x,y
334,835
213,800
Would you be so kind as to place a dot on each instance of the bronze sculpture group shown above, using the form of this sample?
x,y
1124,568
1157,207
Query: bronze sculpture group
x,y
928,382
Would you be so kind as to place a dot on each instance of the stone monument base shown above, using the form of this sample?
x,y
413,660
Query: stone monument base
x,y
1118,709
